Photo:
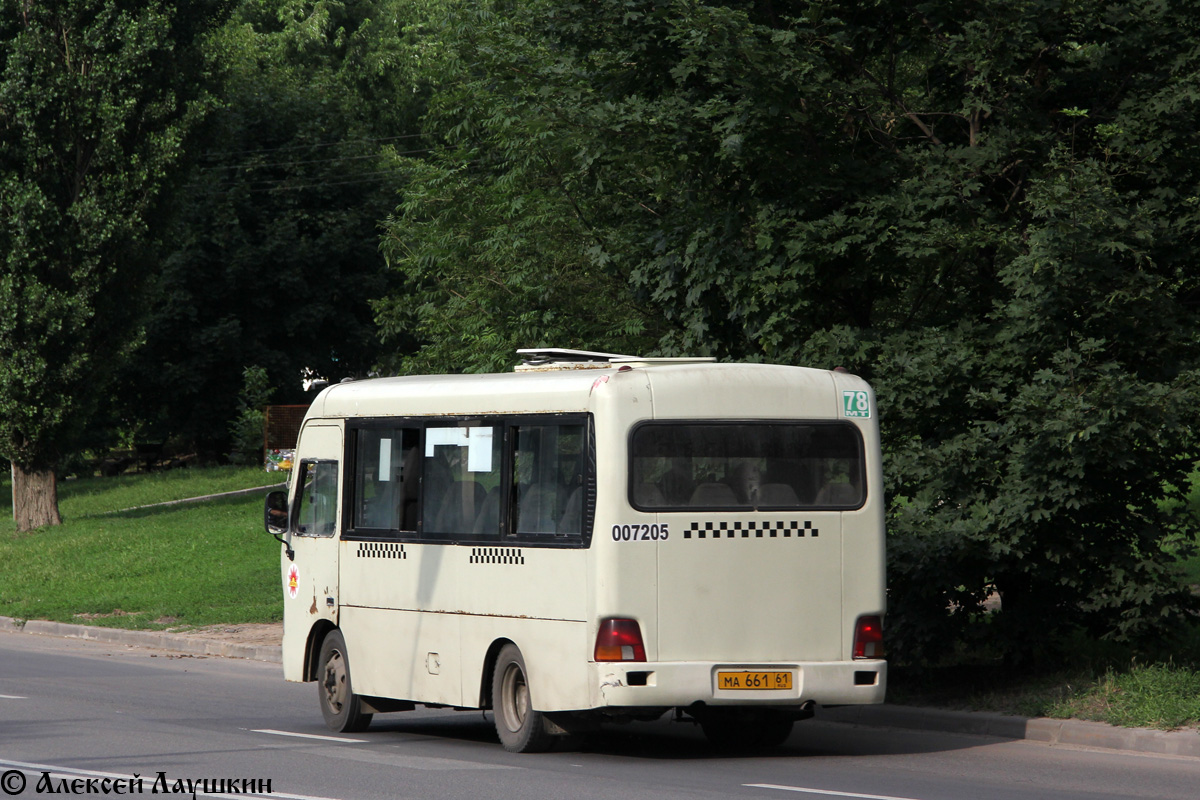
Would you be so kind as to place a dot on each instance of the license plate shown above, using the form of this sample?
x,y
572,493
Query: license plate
x,y
744,679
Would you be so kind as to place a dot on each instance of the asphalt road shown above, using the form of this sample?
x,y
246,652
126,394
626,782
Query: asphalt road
x,y
79,711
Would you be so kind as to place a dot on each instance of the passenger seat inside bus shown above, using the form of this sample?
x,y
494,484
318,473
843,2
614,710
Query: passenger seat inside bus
x,y
572,518
536,512
838,494
777,494
457,510
710,495
488,521
647,495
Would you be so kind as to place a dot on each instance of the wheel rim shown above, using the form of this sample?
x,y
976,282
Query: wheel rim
x,y
515,698
334,683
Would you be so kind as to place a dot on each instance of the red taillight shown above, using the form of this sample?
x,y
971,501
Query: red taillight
x,y
620,640
868,637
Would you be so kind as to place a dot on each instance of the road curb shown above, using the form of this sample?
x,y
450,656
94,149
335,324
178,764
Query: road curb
x,y
1038,729
156,640
203,498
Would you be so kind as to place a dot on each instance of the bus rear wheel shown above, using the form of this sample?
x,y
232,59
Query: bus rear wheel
x,y
340,706
520,728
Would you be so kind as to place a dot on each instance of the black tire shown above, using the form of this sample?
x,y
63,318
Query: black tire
x,y
520,728
340,706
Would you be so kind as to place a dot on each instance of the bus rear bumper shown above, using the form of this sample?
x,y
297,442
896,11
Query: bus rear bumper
x,y
681,684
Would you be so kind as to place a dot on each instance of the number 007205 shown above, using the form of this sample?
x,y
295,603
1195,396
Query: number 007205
x,y
640,533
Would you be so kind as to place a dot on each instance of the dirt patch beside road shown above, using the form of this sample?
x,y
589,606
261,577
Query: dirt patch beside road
x,y
268,633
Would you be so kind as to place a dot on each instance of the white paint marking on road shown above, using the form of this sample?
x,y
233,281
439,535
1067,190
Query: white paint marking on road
x,y
823,791
57,772
12,697
310,736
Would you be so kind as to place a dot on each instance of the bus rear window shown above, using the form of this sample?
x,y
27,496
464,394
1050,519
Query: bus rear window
x,y
746,465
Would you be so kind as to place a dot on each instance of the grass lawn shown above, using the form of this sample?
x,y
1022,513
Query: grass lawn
x,y
171,566
1163,696
1145,696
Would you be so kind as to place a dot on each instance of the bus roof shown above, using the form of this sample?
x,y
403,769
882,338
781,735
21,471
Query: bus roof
x,y
547,358
563,390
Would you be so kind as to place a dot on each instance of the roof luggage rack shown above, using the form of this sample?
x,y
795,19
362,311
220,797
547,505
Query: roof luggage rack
x,y
550,358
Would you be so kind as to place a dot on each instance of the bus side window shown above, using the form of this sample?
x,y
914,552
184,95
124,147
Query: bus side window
x,y
386,478
548,480
461,470
317,514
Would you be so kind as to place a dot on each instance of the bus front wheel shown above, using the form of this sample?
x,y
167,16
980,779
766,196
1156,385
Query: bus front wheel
x,y
340,706
521,729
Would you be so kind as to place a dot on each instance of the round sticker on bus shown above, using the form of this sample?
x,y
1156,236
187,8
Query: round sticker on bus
x,y
293,581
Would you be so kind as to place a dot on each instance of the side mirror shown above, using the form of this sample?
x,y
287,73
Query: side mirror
x,y
275,516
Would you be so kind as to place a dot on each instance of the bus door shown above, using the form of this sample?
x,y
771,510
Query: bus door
x,y
311,576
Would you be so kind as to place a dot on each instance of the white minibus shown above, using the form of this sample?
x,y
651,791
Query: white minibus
x,y
590,538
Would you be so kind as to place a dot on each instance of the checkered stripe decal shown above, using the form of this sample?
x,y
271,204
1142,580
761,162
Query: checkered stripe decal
x,y
497,555
381,550
751,530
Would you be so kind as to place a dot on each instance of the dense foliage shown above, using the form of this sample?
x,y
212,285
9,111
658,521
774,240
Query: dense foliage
x,y
274,253
96,99
988,209
499,243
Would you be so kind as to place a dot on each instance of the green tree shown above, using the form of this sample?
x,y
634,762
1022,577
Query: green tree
x,y
96,99
246,430
274,253
499,236
988,209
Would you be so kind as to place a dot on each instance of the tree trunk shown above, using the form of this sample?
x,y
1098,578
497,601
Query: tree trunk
x,y
35,498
